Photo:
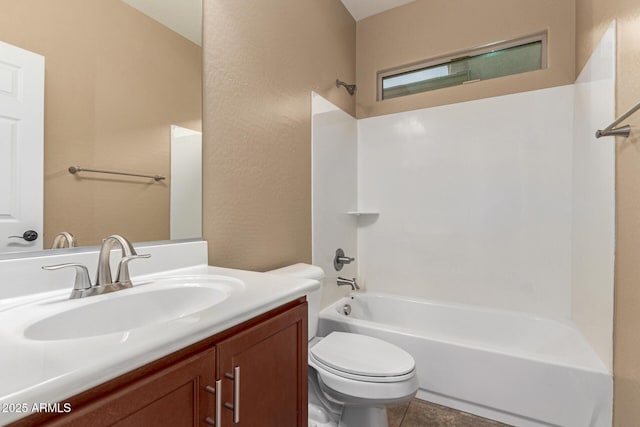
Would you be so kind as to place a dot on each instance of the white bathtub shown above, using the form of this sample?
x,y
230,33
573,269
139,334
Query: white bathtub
x,y
508,366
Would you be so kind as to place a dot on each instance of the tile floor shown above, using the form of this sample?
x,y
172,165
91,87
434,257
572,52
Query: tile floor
x,y
419,413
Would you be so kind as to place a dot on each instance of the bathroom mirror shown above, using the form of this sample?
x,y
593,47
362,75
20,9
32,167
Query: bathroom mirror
x,y
122,92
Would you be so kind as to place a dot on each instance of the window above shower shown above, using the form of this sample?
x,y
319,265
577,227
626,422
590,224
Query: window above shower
x,y
483,63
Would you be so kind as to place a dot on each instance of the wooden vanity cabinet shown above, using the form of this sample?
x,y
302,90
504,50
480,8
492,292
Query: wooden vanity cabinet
x,y
260,367
174,396
264,373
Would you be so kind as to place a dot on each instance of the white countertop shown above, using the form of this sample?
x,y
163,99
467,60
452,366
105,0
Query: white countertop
x,y
36,371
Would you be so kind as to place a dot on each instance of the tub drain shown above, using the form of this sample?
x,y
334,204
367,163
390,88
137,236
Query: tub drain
x,y
346,309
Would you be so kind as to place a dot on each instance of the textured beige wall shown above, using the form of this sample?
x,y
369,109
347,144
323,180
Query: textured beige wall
x,y
431,28
592,19
262,59
115,80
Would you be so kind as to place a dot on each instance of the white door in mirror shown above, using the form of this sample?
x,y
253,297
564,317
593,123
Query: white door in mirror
x,y
21,148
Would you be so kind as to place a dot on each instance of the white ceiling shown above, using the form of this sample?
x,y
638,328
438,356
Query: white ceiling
x,y
185,16
361,9
182,16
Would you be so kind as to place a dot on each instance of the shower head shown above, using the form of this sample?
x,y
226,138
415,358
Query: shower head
x,y
350,88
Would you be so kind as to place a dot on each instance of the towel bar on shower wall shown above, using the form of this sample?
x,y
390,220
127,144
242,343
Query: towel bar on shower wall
x,y
612,130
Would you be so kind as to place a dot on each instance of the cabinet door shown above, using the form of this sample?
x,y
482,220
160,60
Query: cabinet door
x,y
174,397
264,373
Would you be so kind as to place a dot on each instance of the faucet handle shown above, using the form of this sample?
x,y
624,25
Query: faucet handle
x,y
340,259
82,281
122,276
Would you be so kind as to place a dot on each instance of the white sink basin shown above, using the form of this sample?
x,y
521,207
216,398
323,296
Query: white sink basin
x,y
151,302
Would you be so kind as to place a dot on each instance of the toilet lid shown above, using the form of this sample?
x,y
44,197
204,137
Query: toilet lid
x,y
362,355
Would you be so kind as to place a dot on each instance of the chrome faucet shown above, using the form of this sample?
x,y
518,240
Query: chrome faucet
x,y
63,239
103,275
348,282
104,282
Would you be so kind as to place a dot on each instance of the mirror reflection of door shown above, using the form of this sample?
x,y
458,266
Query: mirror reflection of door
x,y
21,149
186,183
119,74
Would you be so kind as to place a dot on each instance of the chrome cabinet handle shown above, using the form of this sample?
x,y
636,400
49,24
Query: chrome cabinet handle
x,y
236,394
219,403
217,390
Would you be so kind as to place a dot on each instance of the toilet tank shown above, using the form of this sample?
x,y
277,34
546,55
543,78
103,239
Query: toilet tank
x,y
307,271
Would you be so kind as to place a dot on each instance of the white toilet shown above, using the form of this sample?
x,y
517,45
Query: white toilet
x,y
352,377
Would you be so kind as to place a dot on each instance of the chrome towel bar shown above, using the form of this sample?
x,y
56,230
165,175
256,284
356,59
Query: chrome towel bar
x,y
74,169
612,130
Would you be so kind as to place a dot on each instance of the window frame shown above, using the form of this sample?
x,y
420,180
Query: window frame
x,y
449,58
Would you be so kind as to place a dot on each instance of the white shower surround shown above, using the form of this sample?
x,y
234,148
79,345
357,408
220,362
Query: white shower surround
x,y
334,192
593,215
506,202
474,201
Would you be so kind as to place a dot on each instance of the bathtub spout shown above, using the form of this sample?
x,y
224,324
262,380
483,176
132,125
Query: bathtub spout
x,y
348,282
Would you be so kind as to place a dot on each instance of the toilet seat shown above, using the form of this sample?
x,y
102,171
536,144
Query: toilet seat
x,y
361,367
361,357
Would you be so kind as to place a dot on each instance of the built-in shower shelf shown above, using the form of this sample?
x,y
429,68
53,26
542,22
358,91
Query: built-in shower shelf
x,y
360,213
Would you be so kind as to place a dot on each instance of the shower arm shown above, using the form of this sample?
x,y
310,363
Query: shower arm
x,y
350,88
